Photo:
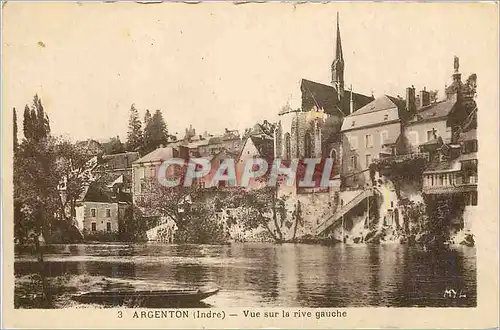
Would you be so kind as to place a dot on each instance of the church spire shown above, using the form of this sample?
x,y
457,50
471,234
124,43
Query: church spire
x,y
338,64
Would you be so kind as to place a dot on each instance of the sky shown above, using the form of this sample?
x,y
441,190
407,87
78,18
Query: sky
x,y
219,66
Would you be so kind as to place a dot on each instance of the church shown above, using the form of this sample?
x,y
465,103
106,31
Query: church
x,y
314,130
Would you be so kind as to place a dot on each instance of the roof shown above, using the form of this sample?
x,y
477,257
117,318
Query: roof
x,y
468,136
96,193
384,102
159,154
326,97
117,161
381,111
434,111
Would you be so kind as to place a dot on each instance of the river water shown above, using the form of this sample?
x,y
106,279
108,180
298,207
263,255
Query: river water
x,y
260,275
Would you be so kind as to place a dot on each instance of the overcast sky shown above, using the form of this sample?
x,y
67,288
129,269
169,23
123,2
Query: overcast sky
x,y
223,65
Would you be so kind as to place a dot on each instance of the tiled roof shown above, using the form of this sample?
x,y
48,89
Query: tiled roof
x,y
383,110
117,161
434,111
96,192
159,154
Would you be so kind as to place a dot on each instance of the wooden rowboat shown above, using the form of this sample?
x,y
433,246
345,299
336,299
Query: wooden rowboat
x,y
147,298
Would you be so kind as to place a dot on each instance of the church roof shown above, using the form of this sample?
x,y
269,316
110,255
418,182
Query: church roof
x,y
326,97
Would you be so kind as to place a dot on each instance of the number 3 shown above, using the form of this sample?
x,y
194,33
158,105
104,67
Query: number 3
x,y
120,314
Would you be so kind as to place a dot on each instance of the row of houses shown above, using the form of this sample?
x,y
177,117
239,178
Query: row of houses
x,y
353,129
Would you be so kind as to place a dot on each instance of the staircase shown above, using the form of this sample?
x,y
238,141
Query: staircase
x,y
346,208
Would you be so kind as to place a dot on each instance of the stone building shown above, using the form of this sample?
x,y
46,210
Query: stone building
x,y
102,209
313,130
370,132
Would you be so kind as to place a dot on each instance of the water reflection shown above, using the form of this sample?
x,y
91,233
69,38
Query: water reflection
x,y
277,275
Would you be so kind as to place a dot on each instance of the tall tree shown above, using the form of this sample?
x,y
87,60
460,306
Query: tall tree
x,y
155,131
134,134
27,124
159,129
147,138
35,185
14,129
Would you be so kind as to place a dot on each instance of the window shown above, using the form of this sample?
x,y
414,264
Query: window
x,y
288,148
441,180
93,213
353,123
333,155
108,213
368,158
474,198
108,226
93,226
354,162
353,142
143,187
368,141
384,135
141,172
386,116
471,198
469,146
430,135
308,145
432,180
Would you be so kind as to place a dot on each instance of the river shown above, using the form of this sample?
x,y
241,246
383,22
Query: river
x,y
260,275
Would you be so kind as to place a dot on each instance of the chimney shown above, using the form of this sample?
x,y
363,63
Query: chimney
x,y
425,98
410,99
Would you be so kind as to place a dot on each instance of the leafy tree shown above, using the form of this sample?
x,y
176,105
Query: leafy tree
x,y
262,208
133,226
74,166
35,186
134,135
188,207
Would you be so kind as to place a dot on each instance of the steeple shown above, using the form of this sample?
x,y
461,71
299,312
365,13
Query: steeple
x,y
338,64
